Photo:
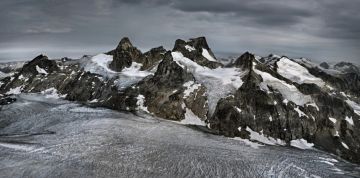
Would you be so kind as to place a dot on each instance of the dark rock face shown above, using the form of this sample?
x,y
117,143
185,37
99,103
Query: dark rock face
x,y
5,100
123,55
151,58
325,65
193,50
244,61
163,94
42,62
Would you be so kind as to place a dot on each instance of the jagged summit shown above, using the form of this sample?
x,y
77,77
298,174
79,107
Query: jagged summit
x,y
197,50
244,61
124,44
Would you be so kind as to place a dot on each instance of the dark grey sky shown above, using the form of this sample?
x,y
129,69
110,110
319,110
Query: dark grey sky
x,y
317,29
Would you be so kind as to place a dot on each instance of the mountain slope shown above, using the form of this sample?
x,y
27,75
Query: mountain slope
x,y
273,100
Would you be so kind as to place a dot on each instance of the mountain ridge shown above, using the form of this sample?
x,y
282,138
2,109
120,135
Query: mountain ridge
x,y
274,100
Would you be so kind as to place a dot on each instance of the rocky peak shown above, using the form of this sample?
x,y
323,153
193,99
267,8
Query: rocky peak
x,y
244,61
124,44
40,62
325,65
197,50
124,54
151,58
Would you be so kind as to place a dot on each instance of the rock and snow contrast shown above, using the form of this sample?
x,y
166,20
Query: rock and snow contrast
x,y
271,100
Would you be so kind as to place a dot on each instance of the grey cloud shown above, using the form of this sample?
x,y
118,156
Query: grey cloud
x,y
326,29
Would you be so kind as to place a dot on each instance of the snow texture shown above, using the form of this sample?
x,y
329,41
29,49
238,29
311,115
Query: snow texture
x,y
219,82
207,55
297,73
41,70
301,144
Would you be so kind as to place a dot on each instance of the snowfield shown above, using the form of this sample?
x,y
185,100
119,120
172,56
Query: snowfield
x,y
297,73
219,82
43,137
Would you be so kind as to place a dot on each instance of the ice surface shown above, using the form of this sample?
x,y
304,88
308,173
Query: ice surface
x,y
57,138
297,73
220,82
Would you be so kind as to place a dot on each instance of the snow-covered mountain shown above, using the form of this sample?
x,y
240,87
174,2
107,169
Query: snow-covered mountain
x,y
272,100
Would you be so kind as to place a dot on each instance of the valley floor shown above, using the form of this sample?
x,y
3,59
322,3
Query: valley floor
x,y
45,137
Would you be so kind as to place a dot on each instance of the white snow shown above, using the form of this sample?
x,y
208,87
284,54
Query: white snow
x,y
17,146
140,103
349,120
270,119
238,109
190,88
52,93
313,105
192,119
333,120
41,70
301,144
14,91
297,109
134,71
263,139
219,82
94,101
345,145
207,55
248,142
297,73
189,48
289,92
354,105
99,64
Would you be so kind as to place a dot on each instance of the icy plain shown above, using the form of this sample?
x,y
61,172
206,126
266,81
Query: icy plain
x,y
48,137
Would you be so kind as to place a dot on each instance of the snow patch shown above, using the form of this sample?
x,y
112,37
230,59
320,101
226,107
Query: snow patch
x,y
344,145
14,91
263,139
190,88
248,142
40,70
219,82
52,93
140,103
289,92
238,109
192,119
297,73
349,120
333,120
301,144
300,112
189,48
355,106
207,55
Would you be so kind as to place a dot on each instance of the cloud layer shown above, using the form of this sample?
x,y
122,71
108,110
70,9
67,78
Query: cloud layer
x,y
319,29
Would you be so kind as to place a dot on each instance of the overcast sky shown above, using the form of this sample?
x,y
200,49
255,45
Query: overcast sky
x,y
316,29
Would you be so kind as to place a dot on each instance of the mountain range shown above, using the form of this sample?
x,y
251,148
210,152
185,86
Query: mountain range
x,y
273,100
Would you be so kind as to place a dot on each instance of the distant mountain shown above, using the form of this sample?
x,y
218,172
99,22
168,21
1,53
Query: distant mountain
x,y
274,100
